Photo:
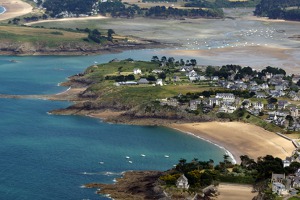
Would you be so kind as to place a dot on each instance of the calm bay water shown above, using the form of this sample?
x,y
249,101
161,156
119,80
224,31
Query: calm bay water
x,y
2,10
50,157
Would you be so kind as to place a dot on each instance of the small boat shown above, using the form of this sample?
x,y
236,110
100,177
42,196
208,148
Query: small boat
x,y
101,163
143,155
130,161
127,157
166,156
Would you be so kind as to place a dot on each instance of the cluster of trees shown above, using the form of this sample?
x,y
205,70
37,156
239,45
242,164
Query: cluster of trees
x,y
97,37
240,72
278,9
55,7
207,93
172,62
35,18
162,11
204,173
121,78
221,3
118,9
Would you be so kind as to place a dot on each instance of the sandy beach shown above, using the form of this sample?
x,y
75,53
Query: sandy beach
x,y
240,138
14,8
236,137
235,192
98,17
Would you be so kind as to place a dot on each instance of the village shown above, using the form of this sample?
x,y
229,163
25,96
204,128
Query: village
x,y
269,94
225,93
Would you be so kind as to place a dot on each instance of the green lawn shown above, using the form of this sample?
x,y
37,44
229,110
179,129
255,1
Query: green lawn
x,y
47,37
294,198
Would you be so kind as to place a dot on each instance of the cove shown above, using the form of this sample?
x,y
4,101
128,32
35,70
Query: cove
x,y
50,157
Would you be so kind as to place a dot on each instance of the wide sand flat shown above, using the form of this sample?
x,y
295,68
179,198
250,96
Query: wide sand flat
x,y
235,192
14,8
240,138
98,17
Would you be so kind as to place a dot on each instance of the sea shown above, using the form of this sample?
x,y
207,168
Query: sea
x,y
2,10
51,157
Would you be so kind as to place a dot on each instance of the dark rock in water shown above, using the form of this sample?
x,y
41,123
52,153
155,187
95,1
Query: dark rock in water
x,y
133,185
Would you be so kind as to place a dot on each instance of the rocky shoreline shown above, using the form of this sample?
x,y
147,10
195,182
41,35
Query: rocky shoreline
x,y
28,49
133,185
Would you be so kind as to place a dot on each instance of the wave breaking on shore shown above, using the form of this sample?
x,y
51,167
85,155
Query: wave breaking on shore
x,y
227,152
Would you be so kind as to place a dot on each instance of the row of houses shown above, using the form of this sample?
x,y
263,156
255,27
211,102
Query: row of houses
x,y
139,82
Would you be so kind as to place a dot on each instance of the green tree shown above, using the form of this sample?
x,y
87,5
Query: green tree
x,y
162,75
110,32
209,71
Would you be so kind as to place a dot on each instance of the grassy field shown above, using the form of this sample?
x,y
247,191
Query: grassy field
x,y
137,94
50,37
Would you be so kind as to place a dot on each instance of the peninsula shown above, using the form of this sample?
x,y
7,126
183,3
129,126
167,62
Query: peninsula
x,y
237,108
180,95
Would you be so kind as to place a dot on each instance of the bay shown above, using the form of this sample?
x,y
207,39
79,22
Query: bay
x,y
50,157
2,10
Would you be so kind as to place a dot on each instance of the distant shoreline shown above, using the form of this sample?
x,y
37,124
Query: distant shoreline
x,y
14,8
236,138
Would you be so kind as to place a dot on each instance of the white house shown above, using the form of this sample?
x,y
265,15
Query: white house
x,y
194,104
214,101
227,97
182,182
294,112
157,71
258,105
137,71
159,82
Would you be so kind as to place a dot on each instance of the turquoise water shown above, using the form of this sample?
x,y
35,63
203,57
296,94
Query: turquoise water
x,y
50,157
2,10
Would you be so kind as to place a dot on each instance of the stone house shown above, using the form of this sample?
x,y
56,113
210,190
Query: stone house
x,y
226,97
282,104
194,104
182,182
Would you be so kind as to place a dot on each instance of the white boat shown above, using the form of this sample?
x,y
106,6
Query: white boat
x,y
127,157
166,156
130,161
143,155
101,163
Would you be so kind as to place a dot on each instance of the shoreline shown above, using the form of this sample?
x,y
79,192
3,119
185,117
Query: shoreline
x,y
234,159
239,138
235,138
98,17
